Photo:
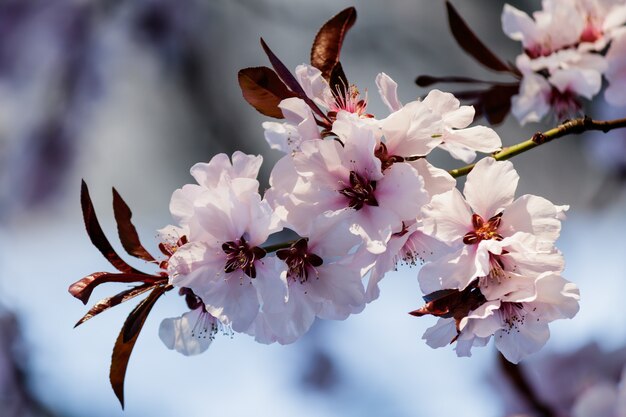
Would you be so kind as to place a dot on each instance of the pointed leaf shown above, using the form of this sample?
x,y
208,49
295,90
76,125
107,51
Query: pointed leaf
x,y
290,80
470,43
328,41
338,81
83,288
428,80
262,88
113,301
126,229
138,315
97,235
124,346
495,103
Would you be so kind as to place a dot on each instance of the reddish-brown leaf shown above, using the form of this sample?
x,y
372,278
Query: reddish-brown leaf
x,y
83,288
338,81
428,80
290,80
124,346
496,102
96,234
264,90
328,41
470,43
126,229
117,299
451,303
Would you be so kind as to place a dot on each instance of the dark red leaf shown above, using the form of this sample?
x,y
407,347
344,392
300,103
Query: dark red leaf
x,y
138,315
470,43
428,80
338,81
117,299
124,346
290,80
495,103
262,88
452,303
83,288
328,41
97,235
126,229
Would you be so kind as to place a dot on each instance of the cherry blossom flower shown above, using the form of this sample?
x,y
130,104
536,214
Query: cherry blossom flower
x,y
227,222
484,224
323,279
518,320
347,179
437,121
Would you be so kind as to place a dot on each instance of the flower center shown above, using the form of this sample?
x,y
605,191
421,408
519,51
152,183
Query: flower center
x,y
386,160
360,192
483,230
239,255
348,99
513,316
299,260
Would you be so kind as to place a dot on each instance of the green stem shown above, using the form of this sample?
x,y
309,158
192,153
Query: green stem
x,y
575,126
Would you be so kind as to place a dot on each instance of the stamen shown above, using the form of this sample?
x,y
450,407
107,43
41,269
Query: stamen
x,y
239,255
360,192
300,261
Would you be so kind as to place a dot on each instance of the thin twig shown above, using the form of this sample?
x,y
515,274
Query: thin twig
x,y
575,126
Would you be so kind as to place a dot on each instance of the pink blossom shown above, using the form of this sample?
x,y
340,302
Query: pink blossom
x,y
484,224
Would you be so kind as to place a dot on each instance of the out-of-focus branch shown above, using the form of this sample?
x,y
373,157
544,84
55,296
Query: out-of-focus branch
x,y
518,380
575,126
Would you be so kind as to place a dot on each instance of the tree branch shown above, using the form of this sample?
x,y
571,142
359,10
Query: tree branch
x,y
575,126
518,380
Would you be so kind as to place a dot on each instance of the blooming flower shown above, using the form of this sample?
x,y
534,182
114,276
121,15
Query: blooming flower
x,y
323,281
227,223
518,320
347,179
484,224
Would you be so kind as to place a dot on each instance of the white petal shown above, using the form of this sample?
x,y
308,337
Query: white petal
x,y
448,217
532,214
177,334
490,187
436,180
441,334
478,138
402,190
388,91
515,344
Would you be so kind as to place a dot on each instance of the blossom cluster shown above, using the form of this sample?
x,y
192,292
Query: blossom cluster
x,y
360,195
568,47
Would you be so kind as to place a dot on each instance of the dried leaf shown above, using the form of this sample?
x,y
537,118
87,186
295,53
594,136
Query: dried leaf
x,y
97,235
290,80
264,90
124,346
83,288
328,41
117,299
470,43
126,229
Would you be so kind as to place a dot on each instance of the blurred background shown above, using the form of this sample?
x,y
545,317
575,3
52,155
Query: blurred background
x,y
132,94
